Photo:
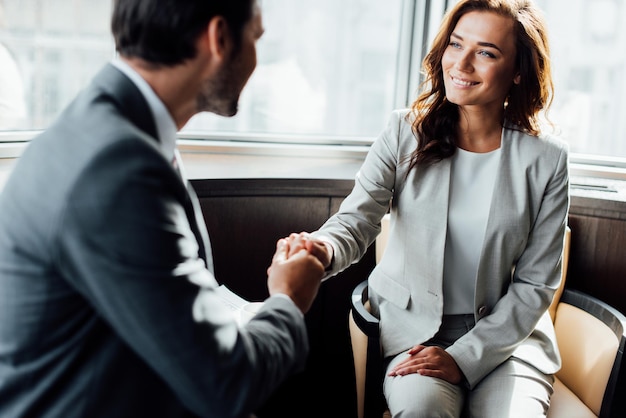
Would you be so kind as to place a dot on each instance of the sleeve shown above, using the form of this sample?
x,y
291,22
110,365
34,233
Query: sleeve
x,y
536,276
357,223
126,245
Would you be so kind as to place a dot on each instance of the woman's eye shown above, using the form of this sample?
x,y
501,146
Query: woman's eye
x,y
454,44
487,54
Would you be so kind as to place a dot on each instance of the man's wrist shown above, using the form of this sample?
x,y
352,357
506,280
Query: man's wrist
x,y
286,296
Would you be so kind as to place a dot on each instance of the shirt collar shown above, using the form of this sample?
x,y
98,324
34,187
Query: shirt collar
x,y
166,127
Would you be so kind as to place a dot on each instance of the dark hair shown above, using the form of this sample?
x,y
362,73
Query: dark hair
x,y
164,32
436,119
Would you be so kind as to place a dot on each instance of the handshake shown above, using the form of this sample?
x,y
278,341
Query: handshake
x,y
298,267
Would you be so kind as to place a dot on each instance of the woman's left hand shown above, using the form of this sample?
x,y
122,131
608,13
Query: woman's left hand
x,y
429,361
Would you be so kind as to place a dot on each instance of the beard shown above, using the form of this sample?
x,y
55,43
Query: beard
x,y
220,95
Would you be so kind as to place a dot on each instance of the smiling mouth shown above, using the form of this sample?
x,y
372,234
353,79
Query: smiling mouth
x,y
463,83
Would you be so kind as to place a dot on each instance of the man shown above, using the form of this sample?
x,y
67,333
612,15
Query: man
x,y
103,249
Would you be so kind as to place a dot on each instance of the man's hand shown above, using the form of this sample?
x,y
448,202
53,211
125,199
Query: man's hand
x,y
296,273
429,361
323,251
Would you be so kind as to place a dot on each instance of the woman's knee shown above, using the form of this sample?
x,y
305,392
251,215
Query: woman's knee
x,y
514,389
418,396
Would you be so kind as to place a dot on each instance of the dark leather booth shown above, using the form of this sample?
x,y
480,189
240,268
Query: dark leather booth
x,y
245,218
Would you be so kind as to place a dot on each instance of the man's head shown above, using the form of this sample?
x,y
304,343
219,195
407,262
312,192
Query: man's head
x,y
164,32
196,54
220,93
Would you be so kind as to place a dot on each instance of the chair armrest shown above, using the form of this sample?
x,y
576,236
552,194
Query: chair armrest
x,y
369,392
366,322
592,337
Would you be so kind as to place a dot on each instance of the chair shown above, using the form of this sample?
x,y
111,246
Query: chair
x,y
573,314
364,336
366,350
591,337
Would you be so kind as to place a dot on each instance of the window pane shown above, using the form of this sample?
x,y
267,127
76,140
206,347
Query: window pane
x,y
326,67
589,63
49,50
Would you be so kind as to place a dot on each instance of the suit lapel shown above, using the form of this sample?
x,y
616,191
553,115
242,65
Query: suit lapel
x,y
129,99
506,204
198,226
428,206
134,106
439,222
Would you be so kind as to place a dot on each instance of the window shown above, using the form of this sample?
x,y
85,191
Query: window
x,y
587,40
49,50
325,68
328,70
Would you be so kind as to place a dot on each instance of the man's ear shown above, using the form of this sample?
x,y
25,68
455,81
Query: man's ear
x,y
217,39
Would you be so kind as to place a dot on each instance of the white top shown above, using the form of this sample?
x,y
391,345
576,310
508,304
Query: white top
x,y
471,188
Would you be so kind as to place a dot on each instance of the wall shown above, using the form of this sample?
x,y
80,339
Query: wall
x,y
597,262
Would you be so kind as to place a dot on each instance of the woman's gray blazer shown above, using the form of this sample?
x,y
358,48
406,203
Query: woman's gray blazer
x,y
520,263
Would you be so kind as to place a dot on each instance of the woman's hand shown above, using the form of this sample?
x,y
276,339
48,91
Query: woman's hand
x,y
429,361
297,276
322,250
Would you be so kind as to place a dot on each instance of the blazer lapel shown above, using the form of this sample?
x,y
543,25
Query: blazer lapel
x,y
429,219
439,222
508,202
134,106
196,220
129,99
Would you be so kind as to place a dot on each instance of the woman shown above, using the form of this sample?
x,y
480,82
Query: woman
x,y
478,200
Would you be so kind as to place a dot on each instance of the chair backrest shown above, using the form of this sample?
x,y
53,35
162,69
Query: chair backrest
x,y
591,338
366,350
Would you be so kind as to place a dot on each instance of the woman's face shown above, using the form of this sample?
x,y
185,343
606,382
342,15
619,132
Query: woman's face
x,y
479,62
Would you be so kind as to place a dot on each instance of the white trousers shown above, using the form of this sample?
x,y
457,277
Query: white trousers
x,y
514,389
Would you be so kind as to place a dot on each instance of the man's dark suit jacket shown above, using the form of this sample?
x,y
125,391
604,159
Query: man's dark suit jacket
x,y
103,253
